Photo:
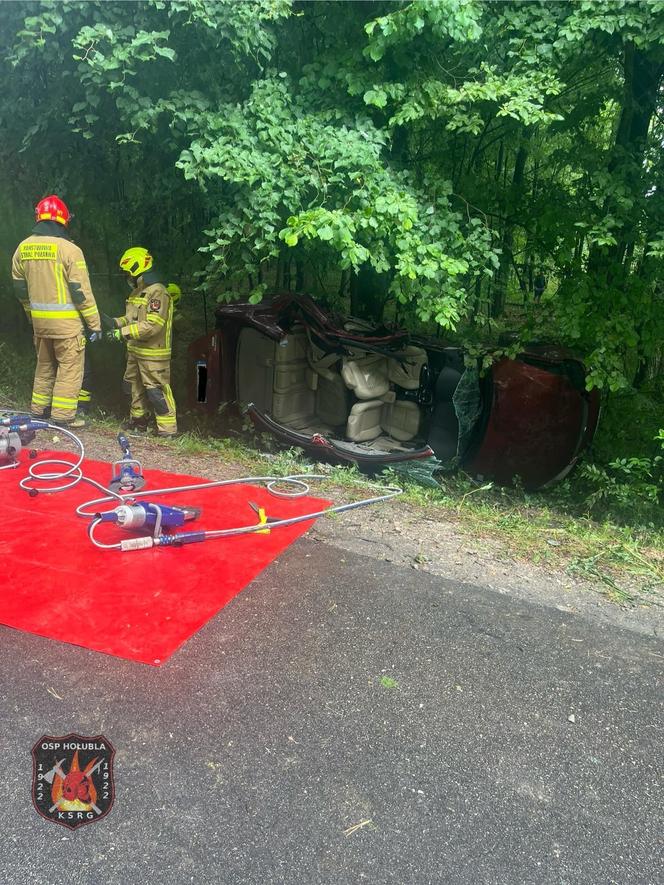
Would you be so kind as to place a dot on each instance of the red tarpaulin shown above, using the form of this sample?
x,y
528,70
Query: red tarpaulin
x,y
141,605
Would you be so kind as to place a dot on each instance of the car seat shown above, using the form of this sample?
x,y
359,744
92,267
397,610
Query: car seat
x,y
368,420
366,375
405,367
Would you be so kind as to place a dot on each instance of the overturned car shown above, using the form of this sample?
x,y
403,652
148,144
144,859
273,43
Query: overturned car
x,y
345,391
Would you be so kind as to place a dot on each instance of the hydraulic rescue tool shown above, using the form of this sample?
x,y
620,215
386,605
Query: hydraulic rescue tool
x,y
16,431
157,518
149,516
129,516
23,423
10,448
160,521
128,472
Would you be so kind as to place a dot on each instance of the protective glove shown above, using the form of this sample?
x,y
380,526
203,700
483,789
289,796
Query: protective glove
x,y
95,337
115,335
107,322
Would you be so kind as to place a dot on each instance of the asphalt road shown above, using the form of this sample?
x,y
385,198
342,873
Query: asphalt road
x,y
338,691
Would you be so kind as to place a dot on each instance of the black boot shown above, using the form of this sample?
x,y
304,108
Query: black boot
x,y
137,425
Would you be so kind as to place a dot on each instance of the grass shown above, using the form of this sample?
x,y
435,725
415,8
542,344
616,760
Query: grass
x,y
625,563
192,442
622,557
388,682
16,376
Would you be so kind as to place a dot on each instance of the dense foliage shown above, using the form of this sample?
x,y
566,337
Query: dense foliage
x,y
442,162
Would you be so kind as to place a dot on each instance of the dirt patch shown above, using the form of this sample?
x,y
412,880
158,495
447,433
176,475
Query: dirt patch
x,y
408,536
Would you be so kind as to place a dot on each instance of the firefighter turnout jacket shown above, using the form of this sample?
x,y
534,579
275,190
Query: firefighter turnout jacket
x,y
147,325
51,281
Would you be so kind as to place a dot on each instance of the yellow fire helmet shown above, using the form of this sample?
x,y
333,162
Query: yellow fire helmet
x,y
136,261
174,291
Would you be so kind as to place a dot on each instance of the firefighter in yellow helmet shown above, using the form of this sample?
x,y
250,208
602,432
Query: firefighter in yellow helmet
x,y
51,281
88,385
147,329
175,292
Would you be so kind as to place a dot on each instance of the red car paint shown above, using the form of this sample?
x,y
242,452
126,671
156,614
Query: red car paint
x,y
536,426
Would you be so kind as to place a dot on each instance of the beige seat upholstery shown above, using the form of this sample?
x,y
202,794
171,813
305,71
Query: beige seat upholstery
x,y
366,375
293,347
401,419
367,420
302,387
364,421
321,362
405,367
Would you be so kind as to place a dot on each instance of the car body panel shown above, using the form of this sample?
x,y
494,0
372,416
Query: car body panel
x,y
536,425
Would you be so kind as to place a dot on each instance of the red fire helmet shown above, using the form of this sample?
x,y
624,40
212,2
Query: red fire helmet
x,y
52,209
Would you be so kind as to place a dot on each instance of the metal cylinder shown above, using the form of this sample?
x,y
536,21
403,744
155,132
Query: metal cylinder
x,y
10,446
131,516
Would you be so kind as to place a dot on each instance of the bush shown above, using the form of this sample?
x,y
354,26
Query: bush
x,y
16,374
626,490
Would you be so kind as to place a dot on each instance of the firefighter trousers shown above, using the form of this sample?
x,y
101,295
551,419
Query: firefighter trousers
x,y
58,376
148,382
85,393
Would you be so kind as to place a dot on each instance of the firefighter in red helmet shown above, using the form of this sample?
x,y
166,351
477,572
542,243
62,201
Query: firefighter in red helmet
x,y
51,281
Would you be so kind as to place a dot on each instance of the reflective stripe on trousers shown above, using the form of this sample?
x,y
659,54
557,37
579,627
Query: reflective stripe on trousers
x,y
58,376
148,384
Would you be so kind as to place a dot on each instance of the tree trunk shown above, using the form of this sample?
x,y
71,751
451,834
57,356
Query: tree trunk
x,y
643,74
343,280
299,275
512,203
610,267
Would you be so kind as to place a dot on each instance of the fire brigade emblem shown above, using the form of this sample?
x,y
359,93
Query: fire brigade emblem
x,y
72,780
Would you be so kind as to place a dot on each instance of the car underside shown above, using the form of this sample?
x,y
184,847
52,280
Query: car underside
x,y
364,404
346,391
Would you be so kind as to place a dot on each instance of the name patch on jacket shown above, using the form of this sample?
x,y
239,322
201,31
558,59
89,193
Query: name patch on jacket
x,y
38,251
155,304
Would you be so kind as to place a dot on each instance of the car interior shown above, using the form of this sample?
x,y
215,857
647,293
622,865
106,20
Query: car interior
x,y
346,390
359,401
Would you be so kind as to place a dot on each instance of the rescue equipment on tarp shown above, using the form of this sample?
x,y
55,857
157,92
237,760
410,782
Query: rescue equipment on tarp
x,y
128,472
294,486
15,433
160,520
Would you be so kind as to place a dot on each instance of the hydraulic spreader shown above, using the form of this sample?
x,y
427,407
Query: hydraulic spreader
x,y
128,472
159,524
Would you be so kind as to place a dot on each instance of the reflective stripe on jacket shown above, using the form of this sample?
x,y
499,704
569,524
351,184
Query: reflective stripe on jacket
x,y
53,285
147,325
